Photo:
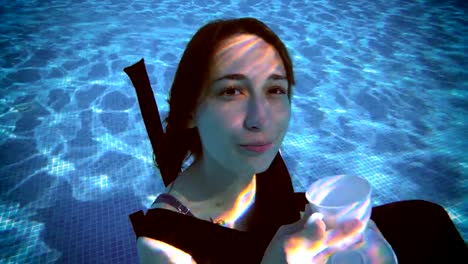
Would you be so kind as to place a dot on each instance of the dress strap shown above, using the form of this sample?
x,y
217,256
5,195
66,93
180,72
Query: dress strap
x,y
172,201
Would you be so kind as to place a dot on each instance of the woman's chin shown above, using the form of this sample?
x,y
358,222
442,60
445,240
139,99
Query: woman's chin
x,y
263,166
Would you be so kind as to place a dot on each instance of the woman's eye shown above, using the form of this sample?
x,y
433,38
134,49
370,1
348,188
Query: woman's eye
x,y
234,91
278,90
230,91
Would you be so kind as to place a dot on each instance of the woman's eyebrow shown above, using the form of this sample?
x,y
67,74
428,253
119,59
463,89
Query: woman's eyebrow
x,y
239,76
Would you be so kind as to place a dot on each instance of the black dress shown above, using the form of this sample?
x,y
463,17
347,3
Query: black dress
x,y
204,241
418,231
211,243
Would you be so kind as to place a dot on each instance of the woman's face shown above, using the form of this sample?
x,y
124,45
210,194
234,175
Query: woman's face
x,y
245,102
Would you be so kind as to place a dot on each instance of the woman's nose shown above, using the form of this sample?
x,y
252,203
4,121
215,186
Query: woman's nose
x,y
258,114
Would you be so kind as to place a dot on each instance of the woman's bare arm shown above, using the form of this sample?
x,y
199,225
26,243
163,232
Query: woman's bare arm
x,y
158,252
155,251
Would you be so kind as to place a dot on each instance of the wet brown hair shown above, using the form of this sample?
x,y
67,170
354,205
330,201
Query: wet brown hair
x,y
179,142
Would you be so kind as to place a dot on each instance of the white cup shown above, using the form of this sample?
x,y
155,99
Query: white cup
x,y
341,198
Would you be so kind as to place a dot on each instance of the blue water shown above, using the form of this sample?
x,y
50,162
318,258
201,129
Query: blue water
x,y
381,93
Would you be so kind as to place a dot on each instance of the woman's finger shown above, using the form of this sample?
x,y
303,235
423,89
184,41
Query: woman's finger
x,y
309,242
298,226
314,228
312,220
307,213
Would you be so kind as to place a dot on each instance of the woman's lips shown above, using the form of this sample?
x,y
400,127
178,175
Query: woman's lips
x,y
258,149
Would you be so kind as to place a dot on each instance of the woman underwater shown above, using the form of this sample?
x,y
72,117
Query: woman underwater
x,y
230,107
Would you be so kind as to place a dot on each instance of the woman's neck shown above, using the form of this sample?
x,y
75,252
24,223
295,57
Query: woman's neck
x,y
222,195
217,184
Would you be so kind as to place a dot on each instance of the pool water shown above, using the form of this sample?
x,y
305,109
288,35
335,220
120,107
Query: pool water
x,y
381,93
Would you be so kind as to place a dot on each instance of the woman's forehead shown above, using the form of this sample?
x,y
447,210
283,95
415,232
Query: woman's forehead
x,y
246,54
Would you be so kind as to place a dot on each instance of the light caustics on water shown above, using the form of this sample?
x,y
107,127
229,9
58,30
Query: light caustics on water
x,y
240,50
242,204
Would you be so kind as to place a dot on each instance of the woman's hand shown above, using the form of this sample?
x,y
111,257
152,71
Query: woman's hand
x,y
308,241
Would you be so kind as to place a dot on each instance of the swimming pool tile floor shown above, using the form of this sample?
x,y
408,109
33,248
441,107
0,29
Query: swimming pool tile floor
x,y
381,92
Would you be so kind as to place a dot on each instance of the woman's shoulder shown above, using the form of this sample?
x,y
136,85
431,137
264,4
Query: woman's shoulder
x,y
171,199
161,205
